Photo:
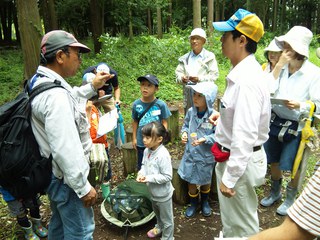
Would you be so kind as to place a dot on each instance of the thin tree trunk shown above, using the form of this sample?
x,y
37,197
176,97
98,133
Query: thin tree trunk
x,y
210,15
283,14
169,18
30,33
196,13
130,24
223,9
159,23
217,10
275,14
48,13
97,22
149,21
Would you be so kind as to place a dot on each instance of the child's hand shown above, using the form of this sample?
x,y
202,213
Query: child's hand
x,y
141,178
214,118
134,144
198,141
184,137
101,93
185,79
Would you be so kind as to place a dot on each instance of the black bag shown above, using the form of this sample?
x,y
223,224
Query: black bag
x,y
283,129
23,171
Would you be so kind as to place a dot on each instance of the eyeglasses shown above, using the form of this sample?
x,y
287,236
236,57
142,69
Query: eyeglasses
x,y
66,51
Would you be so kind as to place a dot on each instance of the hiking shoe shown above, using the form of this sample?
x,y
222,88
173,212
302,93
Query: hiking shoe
x,y
154,232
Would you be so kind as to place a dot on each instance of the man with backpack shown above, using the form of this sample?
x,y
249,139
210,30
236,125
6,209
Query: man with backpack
x,y
60,127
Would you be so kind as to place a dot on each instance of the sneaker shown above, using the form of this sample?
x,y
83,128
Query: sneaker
x,y
154,232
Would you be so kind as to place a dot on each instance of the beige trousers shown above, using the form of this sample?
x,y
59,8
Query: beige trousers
x,y
239,213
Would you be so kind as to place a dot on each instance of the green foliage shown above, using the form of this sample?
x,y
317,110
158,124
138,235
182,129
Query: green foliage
x,y
11,77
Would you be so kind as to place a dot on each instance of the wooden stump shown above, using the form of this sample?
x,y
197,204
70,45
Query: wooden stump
x,y
180,194
213,188
173,123
129,134
129,158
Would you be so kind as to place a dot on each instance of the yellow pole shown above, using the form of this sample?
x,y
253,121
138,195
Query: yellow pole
x,y
306,133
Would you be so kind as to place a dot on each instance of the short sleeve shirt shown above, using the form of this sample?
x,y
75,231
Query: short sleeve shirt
x,y
156,113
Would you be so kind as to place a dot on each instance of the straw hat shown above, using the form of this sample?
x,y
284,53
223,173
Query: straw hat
x,y
299,39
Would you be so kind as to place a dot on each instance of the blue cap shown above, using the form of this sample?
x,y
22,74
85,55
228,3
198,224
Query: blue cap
x,y
150,78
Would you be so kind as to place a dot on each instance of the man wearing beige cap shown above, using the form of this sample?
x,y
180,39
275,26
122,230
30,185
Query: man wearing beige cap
x,y
61,129
198,65
241,126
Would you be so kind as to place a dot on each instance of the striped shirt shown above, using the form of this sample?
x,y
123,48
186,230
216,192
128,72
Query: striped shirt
x,y
306,209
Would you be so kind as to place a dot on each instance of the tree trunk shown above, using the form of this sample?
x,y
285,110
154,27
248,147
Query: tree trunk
x,y
97,22
210,15
217,10
196,13
169,18
249,7
149,21
275,13
6,14
30,33
47,8
159,23
130,24
318,20
223,5
282,16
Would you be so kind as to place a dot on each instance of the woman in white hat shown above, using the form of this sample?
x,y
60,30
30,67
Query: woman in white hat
x,y
272,54
296,80
198,65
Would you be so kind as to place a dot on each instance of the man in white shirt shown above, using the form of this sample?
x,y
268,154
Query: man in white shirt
x,y
242,126
61,129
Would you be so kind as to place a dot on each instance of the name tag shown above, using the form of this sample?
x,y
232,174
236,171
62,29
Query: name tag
x,y
156,112
206,125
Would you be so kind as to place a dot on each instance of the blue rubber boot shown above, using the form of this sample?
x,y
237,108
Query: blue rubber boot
x,y
275,194
40,230
290,197
29,234
192,209
205,207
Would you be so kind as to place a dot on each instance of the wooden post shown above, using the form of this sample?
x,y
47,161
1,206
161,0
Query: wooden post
x,y
129,158
129,134
213,188
173,123
180,194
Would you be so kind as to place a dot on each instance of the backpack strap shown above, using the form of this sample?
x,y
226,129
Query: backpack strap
x,y
147,109
43,87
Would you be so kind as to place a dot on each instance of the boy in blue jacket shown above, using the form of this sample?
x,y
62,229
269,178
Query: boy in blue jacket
x,y
197,133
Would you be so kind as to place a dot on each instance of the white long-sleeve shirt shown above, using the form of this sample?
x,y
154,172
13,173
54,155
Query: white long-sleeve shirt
x,y
301,86
245,116
61,129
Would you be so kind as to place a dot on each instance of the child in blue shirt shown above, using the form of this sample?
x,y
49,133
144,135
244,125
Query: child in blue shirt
x,y
158,112
197,163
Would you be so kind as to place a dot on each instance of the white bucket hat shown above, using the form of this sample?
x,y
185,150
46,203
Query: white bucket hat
x,y
299,39
198,32
272,47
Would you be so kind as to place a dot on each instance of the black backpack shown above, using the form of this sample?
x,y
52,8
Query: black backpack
x,y
23,171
